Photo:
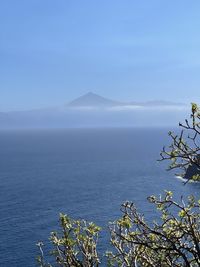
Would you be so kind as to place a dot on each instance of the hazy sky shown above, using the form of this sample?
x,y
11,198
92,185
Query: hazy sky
x,y
54,51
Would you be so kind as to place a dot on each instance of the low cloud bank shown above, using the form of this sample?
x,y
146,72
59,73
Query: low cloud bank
x,y
117,116
129,108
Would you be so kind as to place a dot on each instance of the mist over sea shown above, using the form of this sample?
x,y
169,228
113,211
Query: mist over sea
x,y
86,173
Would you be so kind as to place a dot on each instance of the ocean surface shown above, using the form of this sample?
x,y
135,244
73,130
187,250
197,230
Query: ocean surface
x,y
86,173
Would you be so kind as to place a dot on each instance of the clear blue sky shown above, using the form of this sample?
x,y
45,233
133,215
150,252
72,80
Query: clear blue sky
x,y
53,51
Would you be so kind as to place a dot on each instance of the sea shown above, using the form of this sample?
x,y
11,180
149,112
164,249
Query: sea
x,y
85,173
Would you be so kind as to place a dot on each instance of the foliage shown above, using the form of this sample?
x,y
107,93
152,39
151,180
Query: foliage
x,y
75,246
184,150
174,241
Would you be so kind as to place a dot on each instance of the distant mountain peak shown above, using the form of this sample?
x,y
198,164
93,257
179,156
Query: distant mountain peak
x,y
91,99
91,94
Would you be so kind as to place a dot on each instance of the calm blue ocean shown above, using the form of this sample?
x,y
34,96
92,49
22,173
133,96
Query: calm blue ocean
x,y
86,173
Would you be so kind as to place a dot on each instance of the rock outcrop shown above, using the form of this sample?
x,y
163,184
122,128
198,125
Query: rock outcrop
x,y
193,169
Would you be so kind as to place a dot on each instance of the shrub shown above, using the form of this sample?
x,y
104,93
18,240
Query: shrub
x,y
173,241
184,151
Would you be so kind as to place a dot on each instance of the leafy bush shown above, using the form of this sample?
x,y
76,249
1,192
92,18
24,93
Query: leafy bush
x,y
75,246
173,241
184,150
